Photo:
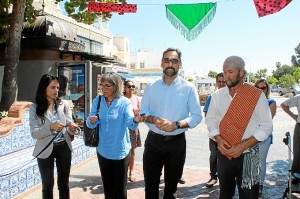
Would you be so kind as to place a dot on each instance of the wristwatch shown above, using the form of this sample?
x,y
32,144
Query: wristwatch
x,y
178,124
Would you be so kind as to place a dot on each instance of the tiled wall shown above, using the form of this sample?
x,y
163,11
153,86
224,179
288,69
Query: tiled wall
x,y
18,169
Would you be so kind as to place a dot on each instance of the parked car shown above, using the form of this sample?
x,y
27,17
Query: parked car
x,y
274,88
295,89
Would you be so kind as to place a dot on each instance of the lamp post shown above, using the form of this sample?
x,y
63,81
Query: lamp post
x,y
248,75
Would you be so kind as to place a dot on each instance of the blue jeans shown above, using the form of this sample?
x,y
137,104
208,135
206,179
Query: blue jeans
x,y
62,155
213,158
163,151
263,152
114,176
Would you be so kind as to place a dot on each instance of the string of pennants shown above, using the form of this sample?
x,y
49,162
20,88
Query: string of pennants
x,y
190,19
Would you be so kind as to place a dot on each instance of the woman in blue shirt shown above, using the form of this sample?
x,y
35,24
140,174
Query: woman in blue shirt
x,y
115,117
265,145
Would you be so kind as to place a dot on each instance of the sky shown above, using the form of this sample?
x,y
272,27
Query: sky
x,y
236,29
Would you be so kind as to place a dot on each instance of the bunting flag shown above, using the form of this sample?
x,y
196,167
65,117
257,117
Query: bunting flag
x,y
190,19
267,7
110,7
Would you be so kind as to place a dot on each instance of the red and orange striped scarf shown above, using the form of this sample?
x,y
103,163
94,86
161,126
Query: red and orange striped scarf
x,y
237,117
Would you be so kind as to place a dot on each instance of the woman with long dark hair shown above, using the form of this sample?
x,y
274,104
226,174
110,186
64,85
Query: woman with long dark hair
x,y
50,124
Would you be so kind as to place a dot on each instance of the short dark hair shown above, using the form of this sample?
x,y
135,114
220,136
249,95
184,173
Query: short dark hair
x,y
173,49
219,75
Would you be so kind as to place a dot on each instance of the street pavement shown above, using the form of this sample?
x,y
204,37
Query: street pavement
x,y
85,179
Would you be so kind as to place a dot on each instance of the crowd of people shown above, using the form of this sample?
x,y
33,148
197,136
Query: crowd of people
x,y
238,117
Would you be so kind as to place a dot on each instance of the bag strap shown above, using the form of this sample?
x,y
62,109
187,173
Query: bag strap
x,y
98,105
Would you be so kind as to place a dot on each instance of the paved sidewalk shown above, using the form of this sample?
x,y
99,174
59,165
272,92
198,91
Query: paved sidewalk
x,y
85,180
85,183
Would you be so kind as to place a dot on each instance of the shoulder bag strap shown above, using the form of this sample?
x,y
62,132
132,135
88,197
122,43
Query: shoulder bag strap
x,y
98,105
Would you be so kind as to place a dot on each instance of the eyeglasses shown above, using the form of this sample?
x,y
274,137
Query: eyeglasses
x,y
262,88
174,61
107,86
130,86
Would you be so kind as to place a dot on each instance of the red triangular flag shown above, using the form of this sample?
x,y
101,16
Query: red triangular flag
x,y
267,7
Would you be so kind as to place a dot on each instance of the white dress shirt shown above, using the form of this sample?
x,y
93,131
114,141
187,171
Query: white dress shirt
x,y
260,125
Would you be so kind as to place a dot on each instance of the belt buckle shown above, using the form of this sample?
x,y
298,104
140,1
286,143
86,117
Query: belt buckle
x,y
168,137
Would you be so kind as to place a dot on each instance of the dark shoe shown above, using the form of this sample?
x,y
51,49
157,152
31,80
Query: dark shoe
x,y
181,181
211,182
261,187
295,180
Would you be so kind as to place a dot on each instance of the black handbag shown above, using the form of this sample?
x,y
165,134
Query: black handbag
x,y
91,136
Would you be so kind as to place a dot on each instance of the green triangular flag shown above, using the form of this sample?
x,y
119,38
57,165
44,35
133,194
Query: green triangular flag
x,y
190,19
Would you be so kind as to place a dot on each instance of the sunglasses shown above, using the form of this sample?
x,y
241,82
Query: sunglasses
x,y
130,86
262,88
174,61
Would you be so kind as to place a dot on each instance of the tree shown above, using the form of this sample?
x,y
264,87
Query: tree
x,y
296,58
295,61
212,74
296,74
272,80
287,81
13,13
77,9
282,70
261,73
14,24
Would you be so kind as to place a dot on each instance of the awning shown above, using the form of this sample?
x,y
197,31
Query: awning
x,y
126,76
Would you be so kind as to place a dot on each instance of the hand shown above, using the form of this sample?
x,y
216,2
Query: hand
x,y
72,126
223,145
139,118
166,125
235,151
57,126
158,122
93,119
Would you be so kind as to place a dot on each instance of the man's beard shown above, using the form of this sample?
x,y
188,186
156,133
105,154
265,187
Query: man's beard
x,y
170,73
233,83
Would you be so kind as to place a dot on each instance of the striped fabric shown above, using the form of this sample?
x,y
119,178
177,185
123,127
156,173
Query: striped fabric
x,y
237,117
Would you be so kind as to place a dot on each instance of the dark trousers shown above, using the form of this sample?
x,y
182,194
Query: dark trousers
x,y
213,158
230,174
114,176
163,151
62,155
296,149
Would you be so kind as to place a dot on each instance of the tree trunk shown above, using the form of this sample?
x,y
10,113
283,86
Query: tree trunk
x,y
11,56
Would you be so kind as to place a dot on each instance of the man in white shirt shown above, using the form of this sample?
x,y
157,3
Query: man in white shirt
x,y
238,163
286,105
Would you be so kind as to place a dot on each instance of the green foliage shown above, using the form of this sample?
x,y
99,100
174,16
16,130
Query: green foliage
x,y
295,61
190,80
5,16
272,80
77,9
296,58
287,80
212,74
296,73
283,70
261,73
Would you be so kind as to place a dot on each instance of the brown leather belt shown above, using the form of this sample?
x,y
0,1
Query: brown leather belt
x,y
166,137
